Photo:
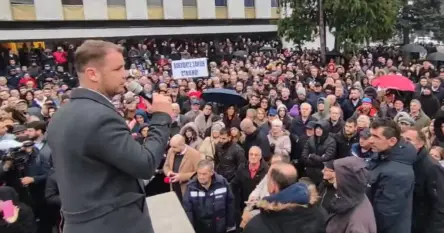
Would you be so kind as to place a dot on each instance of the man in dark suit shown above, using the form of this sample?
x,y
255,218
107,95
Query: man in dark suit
x,y
97,162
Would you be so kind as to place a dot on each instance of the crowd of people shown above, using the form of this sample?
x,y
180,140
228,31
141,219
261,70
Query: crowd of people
x,y
316,149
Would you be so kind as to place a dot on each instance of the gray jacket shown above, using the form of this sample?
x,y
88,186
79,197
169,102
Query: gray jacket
x,y
99,166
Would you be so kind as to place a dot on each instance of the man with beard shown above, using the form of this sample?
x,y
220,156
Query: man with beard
x,y
36,132
253,103
350,105
229,155
346,138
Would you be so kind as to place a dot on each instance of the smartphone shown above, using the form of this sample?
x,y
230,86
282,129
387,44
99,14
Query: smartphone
x,y
8,209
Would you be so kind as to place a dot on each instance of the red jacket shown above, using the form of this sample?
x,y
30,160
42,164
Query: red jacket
x,y
372,113
23,81
60,57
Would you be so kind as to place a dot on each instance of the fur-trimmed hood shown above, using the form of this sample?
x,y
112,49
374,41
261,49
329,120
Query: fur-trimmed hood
x,y
297,195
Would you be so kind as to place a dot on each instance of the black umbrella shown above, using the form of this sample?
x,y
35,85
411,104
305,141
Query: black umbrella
x,y
223,96
437,56
240,53
413,48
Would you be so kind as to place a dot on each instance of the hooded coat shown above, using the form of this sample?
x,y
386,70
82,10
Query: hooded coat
x,y
196,141
139,112
316,151
325,114
289,211
351,210
391,188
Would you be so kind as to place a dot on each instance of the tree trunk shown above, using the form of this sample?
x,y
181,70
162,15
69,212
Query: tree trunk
x,y
406,35
322,31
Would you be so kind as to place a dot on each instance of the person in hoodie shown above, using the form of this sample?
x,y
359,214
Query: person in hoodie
x,y
323,107
350,209
428,204
290,206
326,189
346,138
191,135
320,148
142,134
430,104
392,177
363,149
140,118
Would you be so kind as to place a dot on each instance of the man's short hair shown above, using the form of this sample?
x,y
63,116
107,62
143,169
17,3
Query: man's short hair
x,y
37,125
351,121
93,50
282,180
419,134
206,163
225,131
389,128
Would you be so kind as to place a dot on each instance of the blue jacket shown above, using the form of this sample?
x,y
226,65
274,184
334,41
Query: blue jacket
x,y
391,193
210,210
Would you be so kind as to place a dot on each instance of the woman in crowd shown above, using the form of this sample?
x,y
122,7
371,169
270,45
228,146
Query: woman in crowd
x,y
207,148
231,118
429,132
261,117
191,135
284,116
140,118
279,138
437,153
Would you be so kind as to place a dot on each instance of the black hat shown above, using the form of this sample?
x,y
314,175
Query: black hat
x,y
310,125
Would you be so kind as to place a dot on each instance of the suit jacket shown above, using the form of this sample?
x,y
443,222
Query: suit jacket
x,y
99,165
187,168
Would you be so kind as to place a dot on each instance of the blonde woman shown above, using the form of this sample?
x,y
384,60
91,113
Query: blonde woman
x,y
437,153
429,132
261,117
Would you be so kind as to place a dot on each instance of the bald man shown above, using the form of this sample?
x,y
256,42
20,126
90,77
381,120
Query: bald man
x,y
180,164
255,137
280,177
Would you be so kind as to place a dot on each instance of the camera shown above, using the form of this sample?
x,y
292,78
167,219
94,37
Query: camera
x,y
19,155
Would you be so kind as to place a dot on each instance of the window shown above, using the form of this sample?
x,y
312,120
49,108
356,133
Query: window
x,y
274,3
221,2
116,2
72,2
154,2
29,2
189,3
249,3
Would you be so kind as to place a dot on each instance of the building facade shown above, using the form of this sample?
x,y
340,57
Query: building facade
x,y
189,17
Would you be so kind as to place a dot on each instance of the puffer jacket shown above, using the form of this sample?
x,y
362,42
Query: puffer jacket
x,y
195,143
316,151
210,210
280,143
229,158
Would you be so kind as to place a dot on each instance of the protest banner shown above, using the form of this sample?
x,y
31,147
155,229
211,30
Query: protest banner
x,y
190,68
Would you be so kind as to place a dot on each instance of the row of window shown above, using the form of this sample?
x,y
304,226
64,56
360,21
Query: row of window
x,y
247,3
